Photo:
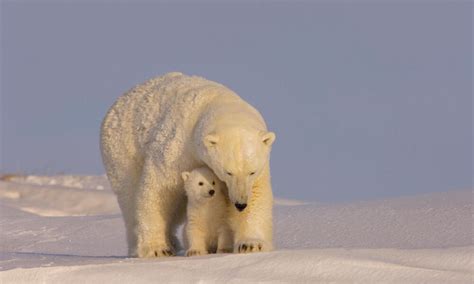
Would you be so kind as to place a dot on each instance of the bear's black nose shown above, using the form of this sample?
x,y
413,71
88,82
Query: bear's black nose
x,y
211,192
240,207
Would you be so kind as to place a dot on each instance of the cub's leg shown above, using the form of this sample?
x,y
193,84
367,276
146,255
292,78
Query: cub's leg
x,y
196,237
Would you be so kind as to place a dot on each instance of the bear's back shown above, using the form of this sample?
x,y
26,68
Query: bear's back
x,y
155,109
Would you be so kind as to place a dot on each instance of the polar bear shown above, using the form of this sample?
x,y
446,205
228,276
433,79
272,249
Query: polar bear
x,y
206,228
176,123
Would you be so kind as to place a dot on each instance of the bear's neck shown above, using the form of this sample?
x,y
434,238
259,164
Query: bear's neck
x,y
226,112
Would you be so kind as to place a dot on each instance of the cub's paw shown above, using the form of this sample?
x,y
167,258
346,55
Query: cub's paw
x,y
151,252
251,245
196,252
224,250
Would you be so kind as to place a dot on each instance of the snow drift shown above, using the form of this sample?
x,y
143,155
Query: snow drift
x,y
69,229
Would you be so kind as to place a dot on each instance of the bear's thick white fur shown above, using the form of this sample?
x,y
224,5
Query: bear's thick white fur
x,y
176,123
207,228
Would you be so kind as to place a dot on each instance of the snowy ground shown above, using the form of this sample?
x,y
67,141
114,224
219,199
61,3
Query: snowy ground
x,y
68,229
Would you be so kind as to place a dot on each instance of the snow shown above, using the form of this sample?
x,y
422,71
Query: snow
x,y
68,229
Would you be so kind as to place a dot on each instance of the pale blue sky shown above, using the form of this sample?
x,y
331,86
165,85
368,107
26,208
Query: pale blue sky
x,y
368,100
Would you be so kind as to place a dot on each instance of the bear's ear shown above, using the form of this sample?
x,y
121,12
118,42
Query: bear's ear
x,y
185,175
268,138
211,140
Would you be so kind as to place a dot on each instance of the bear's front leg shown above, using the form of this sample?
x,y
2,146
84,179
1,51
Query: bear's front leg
x,y
253,230
154,205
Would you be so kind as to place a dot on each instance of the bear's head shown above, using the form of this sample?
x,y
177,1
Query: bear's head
x,y
238,156
200,184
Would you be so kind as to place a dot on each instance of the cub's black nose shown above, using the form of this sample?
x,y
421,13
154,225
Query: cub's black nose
x,y
211,192
240,207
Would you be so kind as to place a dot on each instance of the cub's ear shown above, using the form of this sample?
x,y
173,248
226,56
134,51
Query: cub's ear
x,y
268,138
211,140
185,175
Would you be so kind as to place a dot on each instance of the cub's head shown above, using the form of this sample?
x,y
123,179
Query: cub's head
x,y
238,157
201,184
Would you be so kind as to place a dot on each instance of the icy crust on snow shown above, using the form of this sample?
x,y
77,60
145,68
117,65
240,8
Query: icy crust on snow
x,y
72,234
73,181
57,200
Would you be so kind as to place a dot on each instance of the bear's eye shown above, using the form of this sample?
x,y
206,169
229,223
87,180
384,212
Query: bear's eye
x,y
213,183
252,173
229,174
201,183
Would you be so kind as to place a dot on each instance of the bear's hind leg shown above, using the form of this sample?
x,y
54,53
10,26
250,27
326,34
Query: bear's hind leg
x,y
178,219
225,241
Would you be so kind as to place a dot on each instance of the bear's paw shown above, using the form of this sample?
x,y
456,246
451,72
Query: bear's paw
x,y
196,252
151,252
251,245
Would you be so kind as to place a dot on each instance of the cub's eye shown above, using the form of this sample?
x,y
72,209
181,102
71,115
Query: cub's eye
x,y
229,174
213,183
252,173
201,183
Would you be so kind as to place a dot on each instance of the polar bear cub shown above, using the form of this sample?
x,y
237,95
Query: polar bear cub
x,y
207,229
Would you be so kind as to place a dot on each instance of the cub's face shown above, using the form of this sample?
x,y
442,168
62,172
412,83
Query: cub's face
x,y
200,184
238,157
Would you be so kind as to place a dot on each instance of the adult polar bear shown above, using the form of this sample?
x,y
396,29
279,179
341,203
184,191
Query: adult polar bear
x,y
177,123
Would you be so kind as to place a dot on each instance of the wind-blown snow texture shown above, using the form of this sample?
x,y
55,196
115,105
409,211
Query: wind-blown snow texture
x,y
68,229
